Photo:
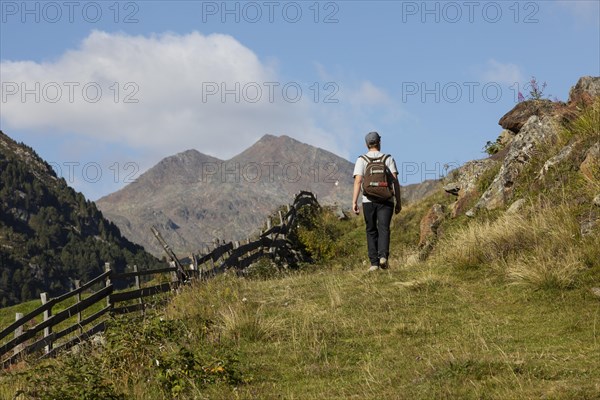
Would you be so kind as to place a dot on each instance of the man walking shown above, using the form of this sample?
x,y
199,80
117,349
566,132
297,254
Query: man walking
x,y
377,205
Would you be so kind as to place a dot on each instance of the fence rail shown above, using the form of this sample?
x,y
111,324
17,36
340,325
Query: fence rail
x,y
40,338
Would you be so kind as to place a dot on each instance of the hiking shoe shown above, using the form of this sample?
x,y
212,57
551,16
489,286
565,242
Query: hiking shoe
x,y
383,263
373,268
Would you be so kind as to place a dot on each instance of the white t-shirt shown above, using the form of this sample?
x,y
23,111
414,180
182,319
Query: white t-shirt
x,y
361,164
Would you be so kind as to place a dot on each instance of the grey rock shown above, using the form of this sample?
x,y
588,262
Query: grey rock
x,y
466,178
470,213
516,206
586,87
564,153
597,200
535,134
595,291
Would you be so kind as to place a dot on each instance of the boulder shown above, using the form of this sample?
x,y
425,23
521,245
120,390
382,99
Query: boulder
x,y
590,167
597,200
585,90
535,134
462,182
520,114
564,153
516,206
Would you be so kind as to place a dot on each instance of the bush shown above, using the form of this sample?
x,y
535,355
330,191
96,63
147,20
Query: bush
x,y
320,234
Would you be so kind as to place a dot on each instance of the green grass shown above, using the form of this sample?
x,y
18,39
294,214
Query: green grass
x,y
502,309
407,333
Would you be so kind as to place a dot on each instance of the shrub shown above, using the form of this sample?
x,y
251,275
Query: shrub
x,y
320,233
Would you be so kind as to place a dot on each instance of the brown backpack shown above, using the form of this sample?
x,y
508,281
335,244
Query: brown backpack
x,y
377,182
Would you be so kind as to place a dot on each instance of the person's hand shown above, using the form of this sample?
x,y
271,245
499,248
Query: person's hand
x,y
397,208
355,208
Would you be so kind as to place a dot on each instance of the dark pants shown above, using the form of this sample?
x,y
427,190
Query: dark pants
x,y
378,217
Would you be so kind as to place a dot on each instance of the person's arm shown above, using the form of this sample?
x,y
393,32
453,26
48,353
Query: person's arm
x,y
357,182
397,194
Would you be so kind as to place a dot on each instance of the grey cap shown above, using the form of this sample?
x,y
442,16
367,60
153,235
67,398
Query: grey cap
x,y
372,138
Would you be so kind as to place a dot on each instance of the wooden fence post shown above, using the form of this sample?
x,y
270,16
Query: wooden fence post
x,y
269,225
282,224
108,283
174,278
77,286
138,286
47,315
18,332
194,265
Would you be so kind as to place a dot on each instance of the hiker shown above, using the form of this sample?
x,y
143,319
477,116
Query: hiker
x,y
376,174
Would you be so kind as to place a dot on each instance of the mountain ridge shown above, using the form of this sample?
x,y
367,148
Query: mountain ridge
x,y
195,198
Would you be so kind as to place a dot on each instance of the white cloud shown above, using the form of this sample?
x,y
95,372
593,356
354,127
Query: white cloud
x,y
171,76
504,73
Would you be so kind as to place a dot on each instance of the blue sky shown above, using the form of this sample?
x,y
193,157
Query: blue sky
x,y
103,90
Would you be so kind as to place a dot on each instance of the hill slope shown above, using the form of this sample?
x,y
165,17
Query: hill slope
x,y
505,305
49,234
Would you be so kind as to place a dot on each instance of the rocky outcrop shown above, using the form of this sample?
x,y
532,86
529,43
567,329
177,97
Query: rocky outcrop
x,y
463,181
586,89
534,135
562,155
515,119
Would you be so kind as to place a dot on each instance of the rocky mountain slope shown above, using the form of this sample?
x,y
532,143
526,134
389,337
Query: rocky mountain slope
x,y
194,198
51,235
536,156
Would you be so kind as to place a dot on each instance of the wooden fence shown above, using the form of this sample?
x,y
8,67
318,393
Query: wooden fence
x,y
58,332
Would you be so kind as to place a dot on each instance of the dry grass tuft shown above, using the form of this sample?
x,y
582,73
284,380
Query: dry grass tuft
x,y
535,248
546,271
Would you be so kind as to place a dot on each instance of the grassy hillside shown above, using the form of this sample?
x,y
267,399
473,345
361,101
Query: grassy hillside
x,y
501,309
